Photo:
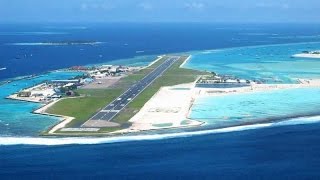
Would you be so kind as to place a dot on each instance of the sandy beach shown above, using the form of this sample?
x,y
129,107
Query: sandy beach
x,y
170,106
64,119
28,99
189,57
305,55
303,83
150,64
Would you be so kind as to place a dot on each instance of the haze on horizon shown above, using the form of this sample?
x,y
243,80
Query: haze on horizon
x,y
262,11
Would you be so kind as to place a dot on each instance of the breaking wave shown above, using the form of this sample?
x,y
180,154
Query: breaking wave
x,y
85,140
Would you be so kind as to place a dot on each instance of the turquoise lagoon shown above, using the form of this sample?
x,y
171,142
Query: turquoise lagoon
x,y
238,109
16,117
270,63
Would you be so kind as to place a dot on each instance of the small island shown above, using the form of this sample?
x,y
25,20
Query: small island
x,y
113,99
58,43
308,54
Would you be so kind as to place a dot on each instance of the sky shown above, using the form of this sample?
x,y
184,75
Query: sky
x,y
300,11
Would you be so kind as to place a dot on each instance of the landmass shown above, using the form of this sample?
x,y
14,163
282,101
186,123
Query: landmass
x,y
94,101
121,99
61,43
308,54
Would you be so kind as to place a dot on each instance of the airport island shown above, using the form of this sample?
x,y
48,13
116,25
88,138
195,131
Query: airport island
x,y
101,100
109,99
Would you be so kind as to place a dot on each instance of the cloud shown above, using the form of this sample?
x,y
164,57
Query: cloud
x,y
195,5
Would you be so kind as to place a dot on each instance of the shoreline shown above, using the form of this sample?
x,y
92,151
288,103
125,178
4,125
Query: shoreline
x,y
152,111
10,140
157,119
15,96
249,46
187,122
185,61
153,62
141,127
166,109
4,81
303,83
64,120
33,76
305,55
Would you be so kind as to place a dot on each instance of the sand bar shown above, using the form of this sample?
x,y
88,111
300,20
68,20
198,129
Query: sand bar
x,y
305,55
170,106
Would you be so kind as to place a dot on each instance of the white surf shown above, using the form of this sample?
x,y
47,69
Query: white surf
x,y
85,140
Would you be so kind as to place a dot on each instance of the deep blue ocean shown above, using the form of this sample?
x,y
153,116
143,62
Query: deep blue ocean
x,y
286,151
123,41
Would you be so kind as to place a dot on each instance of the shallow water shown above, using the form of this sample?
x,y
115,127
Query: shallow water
x,y
217,111
280,150
16,118
254,107
270,64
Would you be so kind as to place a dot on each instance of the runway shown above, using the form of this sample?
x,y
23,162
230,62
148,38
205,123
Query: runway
x,y
116,106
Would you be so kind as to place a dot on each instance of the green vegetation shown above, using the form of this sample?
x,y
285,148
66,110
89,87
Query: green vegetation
x,y
173,76
83,107
91,101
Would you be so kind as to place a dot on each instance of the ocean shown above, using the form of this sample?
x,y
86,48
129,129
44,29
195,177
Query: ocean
x,y
278,149
265,63
283,152
22,52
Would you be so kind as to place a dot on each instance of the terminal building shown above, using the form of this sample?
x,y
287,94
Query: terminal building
x,y
66,81
224,81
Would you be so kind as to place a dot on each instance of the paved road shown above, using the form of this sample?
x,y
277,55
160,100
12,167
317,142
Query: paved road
x,y
111,110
